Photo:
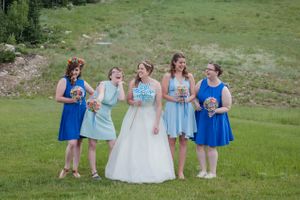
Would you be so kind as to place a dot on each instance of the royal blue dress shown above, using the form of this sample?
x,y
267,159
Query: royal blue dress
x,y
72,114
179,118
212,131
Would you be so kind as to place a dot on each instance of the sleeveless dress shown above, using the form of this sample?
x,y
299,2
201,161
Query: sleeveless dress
x,y
179,118
99,125
212,131
72,114
140,156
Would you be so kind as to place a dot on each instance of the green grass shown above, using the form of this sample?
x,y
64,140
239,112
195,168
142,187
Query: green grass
x,y
262,163
257,43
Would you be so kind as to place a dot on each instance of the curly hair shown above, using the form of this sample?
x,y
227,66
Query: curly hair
x,y
73,63
175,58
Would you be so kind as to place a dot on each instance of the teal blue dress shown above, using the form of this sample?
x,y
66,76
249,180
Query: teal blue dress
x,y
99,125
179,118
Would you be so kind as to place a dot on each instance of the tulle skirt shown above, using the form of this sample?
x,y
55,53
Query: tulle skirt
x,y
140,156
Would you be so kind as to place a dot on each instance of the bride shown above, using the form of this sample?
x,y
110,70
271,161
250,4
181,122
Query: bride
x,y
141,153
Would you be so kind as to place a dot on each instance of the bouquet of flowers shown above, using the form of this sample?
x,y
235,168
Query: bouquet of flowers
x,y
93,105
143,93
211,104
77,93
182,91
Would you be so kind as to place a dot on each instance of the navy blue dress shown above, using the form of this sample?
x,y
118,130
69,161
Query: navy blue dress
x,y
212,131
72,114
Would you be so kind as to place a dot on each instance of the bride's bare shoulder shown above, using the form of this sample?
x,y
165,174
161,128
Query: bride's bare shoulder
x,y
155,84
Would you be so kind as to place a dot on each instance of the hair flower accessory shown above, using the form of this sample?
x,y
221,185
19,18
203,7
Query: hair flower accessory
x,y
75,60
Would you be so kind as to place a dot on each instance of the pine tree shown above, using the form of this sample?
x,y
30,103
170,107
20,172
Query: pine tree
x,y
32,32
6,4
17,17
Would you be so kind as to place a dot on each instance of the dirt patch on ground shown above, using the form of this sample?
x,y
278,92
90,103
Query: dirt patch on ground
x,y
25,68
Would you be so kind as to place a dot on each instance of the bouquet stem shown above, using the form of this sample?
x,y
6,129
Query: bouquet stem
x,y
136,110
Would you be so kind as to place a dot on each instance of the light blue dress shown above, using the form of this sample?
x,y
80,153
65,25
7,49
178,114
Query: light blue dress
x,y
179,118
99,125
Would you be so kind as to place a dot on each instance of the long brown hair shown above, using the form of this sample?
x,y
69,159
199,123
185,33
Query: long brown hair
x,y
175,58
149,67
72,64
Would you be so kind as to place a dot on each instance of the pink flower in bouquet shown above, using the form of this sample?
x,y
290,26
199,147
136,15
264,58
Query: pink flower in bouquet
x,y
182,91
77,93
93,105
211,104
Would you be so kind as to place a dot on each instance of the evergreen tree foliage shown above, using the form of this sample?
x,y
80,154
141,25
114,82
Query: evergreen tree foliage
x,y
5,4
17,16
32,32
3,26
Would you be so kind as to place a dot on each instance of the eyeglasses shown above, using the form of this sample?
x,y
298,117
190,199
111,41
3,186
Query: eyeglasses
x,y
208,69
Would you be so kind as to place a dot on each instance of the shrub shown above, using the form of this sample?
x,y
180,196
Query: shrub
x,y
6,56
11,39
79,2
93,1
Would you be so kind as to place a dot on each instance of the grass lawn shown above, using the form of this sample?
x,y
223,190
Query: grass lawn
x,y
262,163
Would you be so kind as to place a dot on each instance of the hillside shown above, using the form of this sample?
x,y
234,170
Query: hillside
x,y
256,42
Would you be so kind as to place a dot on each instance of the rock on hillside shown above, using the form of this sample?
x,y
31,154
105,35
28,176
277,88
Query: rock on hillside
x,y
12,75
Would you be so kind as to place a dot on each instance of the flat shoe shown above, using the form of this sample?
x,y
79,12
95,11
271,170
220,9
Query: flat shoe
x,y
181,177
202,174
63,173
210,176
76,174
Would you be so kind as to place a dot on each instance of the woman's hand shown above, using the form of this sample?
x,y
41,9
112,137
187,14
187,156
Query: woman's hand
x,y
179,99
120,82
155,129
197,106
137,103
75,100
211,113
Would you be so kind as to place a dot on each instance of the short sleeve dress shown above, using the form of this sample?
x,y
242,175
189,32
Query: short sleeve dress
x,y
99,125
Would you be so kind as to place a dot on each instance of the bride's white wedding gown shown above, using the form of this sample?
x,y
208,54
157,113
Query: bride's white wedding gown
x,y
140,156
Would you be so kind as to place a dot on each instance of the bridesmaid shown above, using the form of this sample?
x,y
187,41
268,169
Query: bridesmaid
x,y
71,92
178,88
99,125
213,127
